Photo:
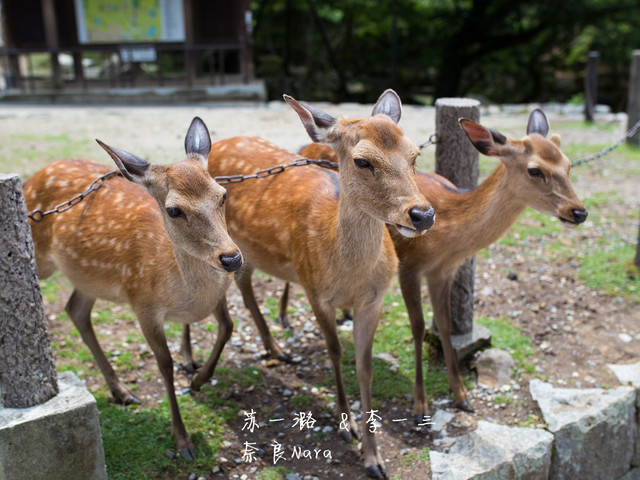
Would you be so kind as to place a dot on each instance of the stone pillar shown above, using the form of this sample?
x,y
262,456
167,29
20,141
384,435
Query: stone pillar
x,y
457,160
591,86
633,105
28,373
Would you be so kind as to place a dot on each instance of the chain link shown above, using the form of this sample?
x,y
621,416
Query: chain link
x,y
433,139
632,131
37,215
267,172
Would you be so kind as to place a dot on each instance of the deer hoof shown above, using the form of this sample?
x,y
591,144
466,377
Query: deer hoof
x,y
464,405
127,399
346,436
379,472
191,367
194,387
290,359
283,321
188,453
422,420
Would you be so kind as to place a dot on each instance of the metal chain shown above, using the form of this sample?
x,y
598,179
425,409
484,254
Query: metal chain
x,y
433,139
37,215
298,162
605,151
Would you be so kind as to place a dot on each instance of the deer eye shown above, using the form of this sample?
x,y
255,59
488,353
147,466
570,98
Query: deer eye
x,y
174,212
362,163
224,200
535,173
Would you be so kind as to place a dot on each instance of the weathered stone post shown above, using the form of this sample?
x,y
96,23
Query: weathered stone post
x,y
633,105
49,424
591,86
28,373
457,160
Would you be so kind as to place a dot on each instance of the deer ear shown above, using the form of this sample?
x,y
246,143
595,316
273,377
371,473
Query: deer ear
x,y
389,104
538,123
555,139
197,139
485,140
132,167
315,121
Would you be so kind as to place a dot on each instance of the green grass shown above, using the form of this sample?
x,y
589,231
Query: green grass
x,y
508,337
273,473
415,457
611,269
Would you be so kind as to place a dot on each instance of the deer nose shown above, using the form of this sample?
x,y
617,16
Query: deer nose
x,y
579,216
231,263
421,218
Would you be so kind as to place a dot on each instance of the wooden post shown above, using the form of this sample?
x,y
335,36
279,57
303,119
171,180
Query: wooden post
x,y
457,160
27,373
637,259
52,39
591,86
633,107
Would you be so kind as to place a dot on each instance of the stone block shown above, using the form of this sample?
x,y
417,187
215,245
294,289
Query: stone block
x,y
495,452
494,367
57,440
594,429
466,344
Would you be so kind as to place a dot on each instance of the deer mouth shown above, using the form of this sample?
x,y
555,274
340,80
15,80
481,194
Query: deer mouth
x,y
408,232
568,223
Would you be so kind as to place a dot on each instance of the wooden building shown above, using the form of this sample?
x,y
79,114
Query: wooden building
x,y
57,45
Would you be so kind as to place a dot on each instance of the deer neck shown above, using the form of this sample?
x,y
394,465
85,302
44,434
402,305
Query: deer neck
x,y
198,277
490,209
358,235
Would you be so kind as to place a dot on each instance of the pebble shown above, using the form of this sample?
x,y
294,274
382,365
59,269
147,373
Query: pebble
x,y
625,337
216,469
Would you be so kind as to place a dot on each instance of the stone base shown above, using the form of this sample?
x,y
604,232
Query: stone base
x,y
58,440
466,344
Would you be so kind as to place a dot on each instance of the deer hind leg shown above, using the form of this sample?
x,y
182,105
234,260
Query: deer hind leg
x,y
190,365
282,306
79,310
153,331
243,280
325,316
364,326
440,293
410,283
225,328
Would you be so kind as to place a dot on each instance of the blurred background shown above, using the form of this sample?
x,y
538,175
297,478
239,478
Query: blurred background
x,y
499,51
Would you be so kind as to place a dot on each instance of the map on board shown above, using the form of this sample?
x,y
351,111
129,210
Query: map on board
x,y
124,21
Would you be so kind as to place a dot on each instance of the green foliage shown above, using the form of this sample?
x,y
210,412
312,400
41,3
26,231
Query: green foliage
x,y
508,337
504,50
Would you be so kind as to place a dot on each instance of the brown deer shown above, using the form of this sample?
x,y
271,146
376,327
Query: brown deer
x,y
154,237
532,172
327,233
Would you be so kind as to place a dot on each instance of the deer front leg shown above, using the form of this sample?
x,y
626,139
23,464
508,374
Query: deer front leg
x,y
364,326
79,310
190,365
440,293
325,315
225,328
410,283
153,331
243,280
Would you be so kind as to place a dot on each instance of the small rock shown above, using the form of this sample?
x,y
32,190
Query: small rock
x,y
625,337
193,476
216,469
170,454
292,476
287,393
494,367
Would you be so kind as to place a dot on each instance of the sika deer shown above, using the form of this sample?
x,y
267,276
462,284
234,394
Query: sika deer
x,y
308,226
532,172
154,238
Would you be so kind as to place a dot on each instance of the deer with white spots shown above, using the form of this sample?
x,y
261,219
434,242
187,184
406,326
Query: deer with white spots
x,y
327,232
532,172
154,237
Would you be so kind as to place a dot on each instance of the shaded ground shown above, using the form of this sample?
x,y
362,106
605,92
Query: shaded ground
x,y
533,279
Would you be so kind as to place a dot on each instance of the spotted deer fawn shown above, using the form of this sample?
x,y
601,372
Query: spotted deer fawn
x,y
532,172
327,233
154,237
